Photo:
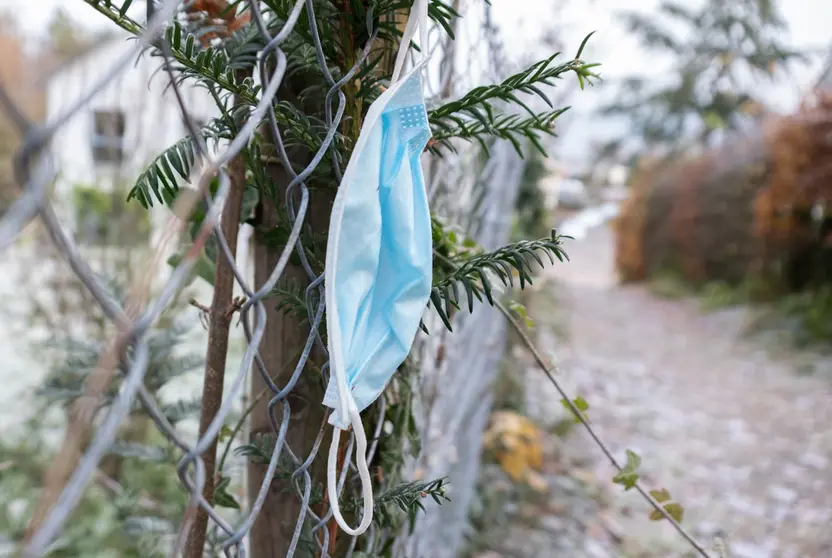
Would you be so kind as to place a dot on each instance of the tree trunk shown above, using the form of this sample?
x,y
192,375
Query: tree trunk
x,y
284,338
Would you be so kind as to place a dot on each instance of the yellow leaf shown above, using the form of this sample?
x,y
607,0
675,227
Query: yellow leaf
x,y
662,495
513,463
517,442
511,442
676,511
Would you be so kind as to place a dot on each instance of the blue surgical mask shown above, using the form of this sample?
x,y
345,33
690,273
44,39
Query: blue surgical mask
x,y
378,260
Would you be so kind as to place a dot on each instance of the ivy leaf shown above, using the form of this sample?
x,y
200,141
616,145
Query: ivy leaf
x,y
222,498
662,495
226,432
521,311
580,403
628,477
673,508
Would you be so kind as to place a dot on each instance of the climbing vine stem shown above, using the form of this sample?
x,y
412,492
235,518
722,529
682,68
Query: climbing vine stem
x,y
580,416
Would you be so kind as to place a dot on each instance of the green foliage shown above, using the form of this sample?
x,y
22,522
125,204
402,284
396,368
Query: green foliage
x,y
670,284
720,46
473,116
812,311
134,507
803,319
113,221
259,449
674,509
520,310
461,266
450,245
291,299
175,163
628,476
474,276
77,359
407,498
511,127
479,99
134,516
222,497
580,404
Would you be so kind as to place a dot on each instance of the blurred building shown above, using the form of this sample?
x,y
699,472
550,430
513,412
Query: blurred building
x,y
128,122
117,134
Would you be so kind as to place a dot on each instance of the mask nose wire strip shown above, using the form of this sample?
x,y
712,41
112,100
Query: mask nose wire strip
x,y
420,10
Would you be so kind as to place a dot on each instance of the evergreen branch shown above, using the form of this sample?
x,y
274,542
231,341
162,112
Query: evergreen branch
x,y
209,65
407,498
162,177
175,163
259,449
442,14
291,300
477,102
475,275
117,15
509,127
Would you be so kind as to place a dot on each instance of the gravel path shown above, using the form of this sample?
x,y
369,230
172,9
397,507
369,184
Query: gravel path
x,y
736,433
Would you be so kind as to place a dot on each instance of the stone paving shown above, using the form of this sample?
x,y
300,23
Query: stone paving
x,y
740,433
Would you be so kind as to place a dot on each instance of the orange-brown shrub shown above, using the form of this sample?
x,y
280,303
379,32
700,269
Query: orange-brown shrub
x,y
629,224
735,211
800,151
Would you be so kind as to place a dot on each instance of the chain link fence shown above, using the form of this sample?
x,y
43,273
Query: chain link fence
x,y
453,403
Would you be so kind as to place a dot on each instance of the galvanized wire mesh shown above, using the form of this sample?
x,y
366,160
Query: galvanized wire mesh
x,y
487,194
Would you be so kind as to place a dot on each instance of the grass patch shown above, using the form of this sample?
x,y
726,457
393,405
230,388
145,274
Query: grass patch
x,y
802,319
670,285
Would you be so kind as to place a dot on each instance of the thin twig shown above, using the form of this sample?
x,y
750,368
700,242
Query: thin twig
x,y
217,353
579,415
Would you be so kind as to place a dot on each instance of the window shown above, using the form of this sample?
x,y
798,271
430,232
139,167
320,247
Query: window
x,y
108,137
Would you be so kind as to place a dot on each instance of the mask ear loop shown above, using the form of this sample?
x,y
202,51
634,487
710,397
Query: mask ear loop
x,y
348,407
420,11
363,472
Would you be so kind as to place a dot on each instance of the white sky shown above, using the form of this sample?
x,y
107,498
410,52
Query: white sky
x,y
523,21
